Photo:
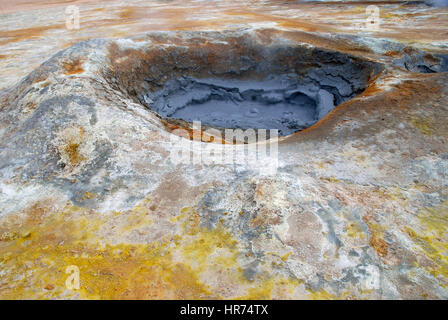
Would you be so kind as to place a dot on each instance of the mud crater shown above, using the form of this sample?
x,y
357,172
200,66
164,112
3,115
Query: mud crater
x,y
244,83
278,102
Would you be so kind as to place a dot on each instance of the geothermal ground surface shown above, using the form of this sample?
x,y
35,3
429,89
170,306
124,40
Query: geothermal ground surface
x,y
356,208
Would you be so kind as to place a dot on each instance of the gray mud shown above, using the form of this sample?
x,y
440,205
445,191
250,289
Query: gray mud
x,y
280,102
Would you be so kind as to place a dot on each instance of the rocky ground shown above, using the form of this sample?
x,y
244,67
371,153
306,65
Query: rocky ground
x,y
357,208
